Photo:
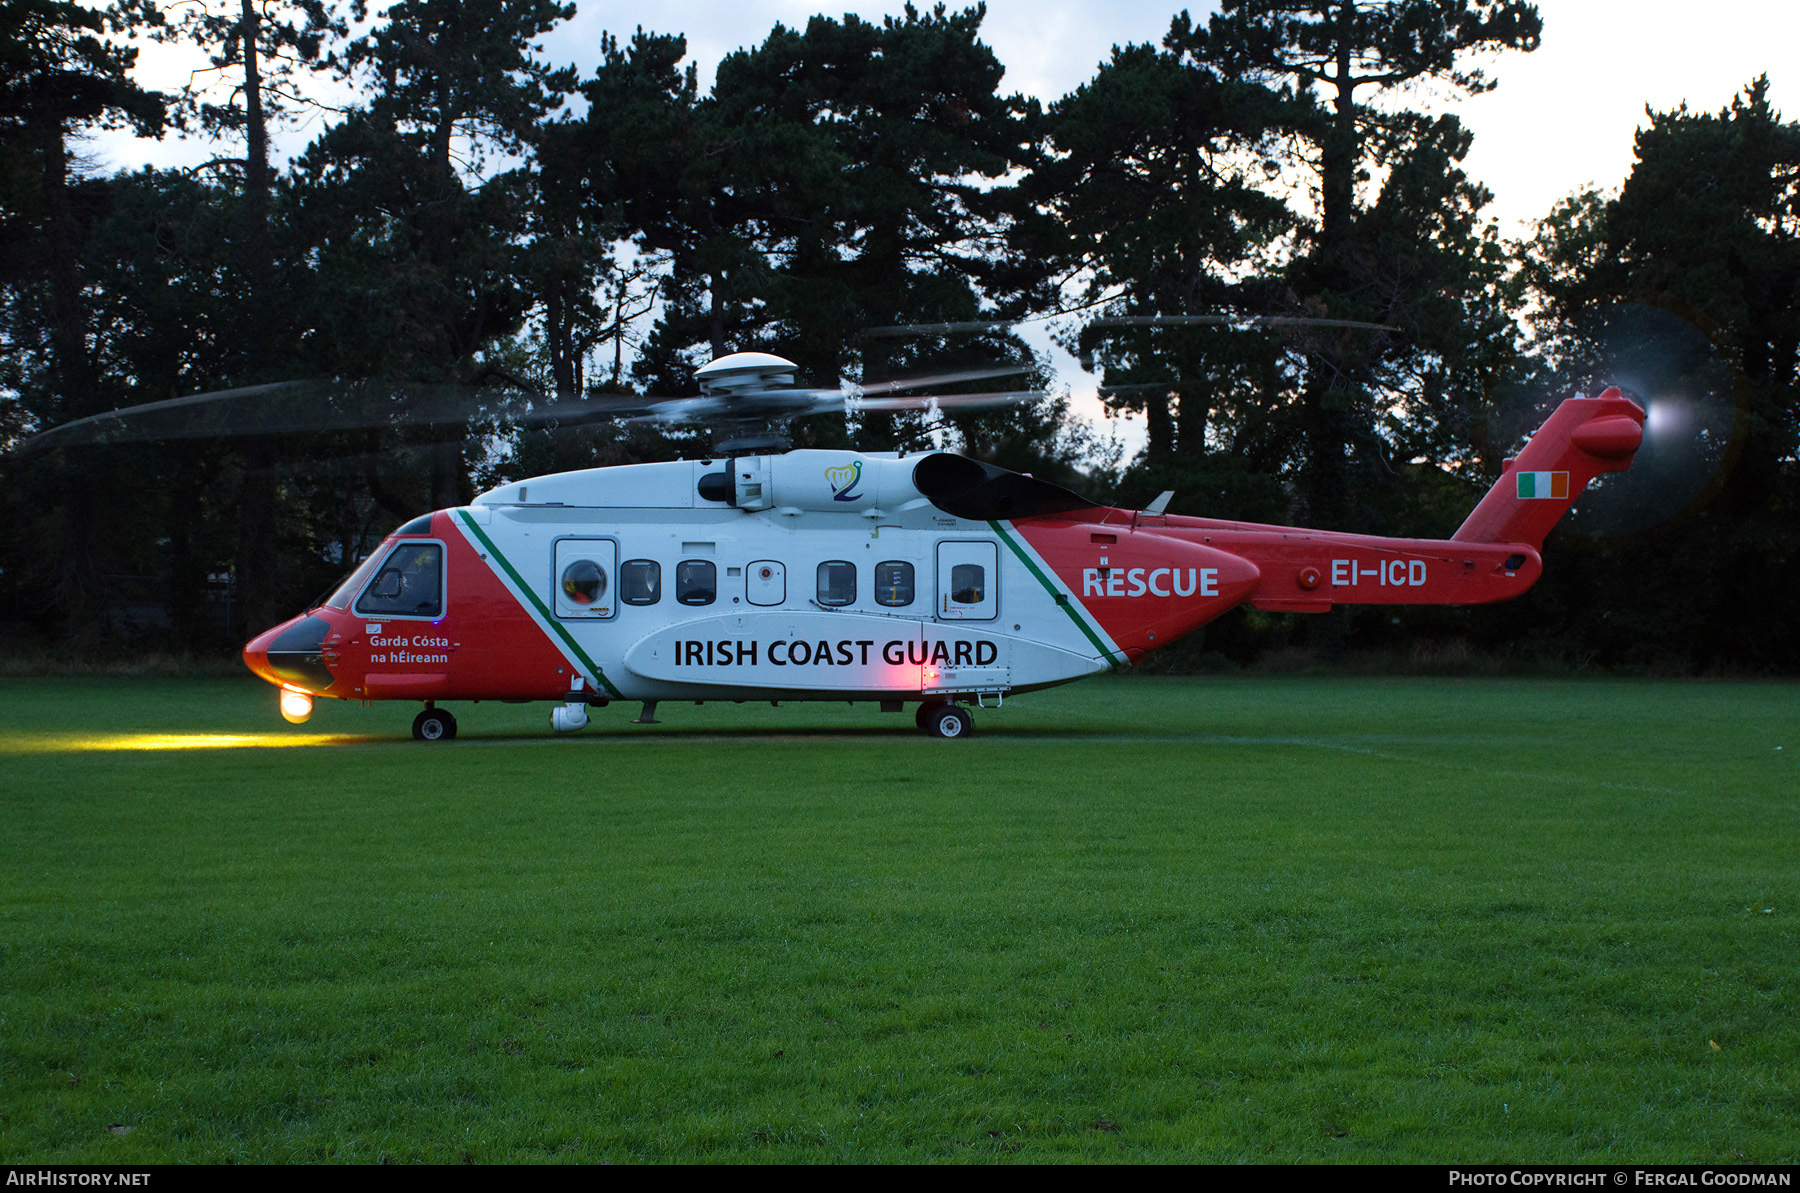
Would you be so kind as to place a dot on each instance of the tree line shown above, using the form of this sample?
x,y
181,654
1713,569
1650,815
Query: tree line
x,y
476,219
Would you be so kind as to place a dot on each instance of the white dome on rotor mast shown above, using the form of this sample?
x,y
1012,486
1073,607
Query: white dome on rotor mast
x,y
739,371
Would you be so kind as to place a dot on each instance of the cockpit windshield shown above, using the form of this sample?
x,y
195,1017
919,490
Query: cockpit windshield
x,y
409,583
345,592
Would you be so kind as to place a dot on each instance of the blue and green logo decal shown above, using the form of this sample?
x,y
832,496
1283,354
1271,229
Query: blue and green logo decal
x,y
843,481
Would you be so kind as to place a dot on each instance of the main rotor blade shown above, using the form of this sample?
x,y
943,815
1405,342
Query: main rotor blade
x,y
795,397
1136,387
970,327
571,411
950,401
979,326
801,403
317,405
287,407
763,405
128,424
1234,321
930,379
277,408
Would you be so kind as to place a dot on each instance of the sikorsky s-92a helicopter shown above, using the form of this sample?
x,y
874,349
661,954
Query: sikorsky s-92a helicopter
x,y
928,579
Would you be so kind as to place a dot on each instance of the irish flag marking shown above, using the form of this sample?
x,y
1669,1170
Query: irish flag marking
x,y
1545,485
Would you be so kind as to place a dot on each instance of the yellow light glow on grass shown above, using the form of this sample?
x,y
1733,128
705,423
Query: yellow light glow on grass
x,y
75,743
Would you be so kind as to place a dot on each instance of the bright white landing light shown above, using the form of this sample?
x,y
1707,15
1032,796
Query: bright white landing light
x,y
296,707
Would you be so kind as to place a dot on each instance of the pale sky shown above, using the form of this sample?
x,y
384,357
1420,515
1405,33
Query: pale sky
x,y
1561,119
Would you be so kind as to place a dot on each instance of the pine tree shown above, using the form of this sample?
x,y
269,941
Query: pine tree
x,y
1395,236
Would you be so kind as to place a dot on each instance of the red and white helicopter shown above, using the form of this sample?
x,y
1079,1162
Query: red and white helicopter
x,y
929,579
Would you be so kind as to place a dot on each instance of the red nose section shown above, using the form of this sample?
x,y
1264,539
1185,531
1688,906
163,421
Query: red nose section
x,y
256,653
292,654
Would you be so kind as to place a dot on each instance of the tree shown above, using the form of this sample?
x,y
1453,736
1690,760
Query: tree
x,y
602,177
837,178
1707,226
416,237
1394,236
1143,204
64,67
270,44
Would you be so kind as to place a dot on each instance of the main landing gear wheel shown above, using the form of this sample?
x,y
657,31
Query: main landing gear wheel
x,y
947,720
434,724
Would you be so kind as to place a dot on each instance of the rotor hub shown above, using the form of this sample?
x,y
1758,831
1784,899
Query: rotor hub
x,y
741,372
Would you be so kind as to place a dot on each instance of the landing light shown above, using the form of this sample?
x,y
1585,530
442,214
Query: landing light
x,y
296,707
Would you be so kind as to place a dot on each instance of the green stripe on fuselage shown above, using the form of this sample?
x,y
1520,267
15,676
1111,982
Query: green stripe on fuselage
x,y
1068,606
537,604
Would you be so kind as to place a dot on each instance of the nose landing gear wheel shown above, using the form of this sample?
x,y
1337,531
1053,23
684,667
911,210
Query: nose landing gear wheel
x,y
925,711
434,724
947,720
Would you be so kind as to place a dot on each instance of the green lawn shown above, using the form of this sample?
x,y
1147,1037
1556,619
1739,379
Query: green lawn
x,y
1138,919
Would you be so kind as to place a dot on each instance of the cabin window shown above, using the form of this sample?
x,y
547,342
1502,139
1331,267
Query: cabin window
x,y
894,583
409,583
583,580
968,582
640,582
696,582
837,582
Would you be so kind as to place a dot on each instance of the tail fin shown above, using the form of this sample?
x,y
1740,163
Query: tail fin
x,y
1582,439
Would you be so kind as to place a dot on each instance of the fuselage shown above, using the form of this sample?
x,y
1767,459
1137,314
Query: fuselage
x,y
817,575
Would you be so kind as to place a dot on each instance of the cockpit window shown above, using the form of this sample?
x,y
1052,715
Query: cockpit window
x,y
353,583
409,583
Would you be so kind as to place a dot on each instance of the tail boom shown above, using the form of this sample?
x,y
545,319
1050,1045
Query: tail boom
x,y
1147,577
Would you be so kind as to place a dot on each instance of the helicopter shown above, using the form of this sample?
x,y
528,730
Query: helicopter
x,y
927,579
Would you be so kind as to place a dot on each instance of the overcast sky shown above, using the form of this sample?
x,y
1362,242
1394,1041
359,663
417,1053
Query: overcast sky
x,y
1562,118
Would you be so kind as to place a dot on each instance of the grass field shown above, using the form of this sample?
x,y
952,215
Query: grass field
x,y
1133,919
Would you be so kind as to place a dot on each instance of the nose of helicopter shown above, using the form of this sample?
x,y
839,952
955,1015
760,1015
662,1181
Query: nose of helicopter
x,y
292,654
256,653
